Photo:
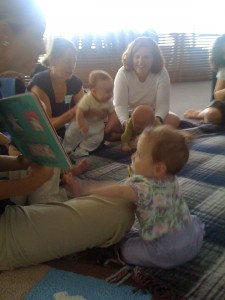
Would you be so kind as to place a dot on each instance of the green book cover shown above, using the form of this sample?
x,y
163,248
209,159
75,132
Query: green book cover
x,y
25,119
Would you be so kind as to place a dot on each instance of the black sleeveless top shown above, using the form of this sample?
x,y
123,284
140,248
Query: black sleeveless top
x,y
43,81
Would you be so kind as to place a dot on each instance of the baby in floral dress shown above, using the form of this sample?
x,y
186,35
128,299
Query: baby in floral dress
x,y
168,235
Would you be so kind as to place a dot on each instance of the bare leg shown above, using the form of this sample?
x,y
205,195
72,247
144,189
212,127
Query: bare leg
x,y
212,115
193,114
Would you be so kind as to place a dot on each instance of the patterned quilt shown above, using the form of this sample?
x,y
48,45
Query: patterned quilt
x,y
203,185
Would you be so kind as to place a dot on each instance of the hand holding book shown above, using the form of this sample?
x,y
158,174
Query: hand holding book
x,y
25,119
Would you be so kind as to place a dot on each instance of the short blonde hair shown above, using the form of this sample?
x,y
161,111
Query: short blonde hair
x,y
169,146
140,42
96,76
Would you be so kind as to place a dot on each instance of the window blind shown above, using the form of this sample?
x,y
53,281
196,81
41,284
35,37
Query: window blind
x,y
186,54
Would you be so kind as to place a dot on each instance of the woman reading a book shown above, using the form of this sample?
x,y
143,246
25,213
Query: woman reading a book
x,y
58,87
32,234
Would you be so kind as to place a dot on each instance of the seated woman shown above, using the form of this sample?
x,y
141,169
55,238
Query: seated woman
x,y
58,87
143,79
38,233
215,112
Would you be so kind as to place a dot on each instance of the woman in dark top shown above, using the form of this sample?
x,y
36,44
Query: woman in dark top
x,y
57,87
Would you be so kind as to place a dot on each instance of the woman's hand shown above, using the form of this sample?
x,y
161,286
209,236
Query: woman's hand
x,y
37,175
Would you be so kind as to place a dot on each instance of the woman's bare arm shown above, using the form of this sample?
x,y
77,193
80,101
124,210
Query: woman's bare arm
x,y
219,91
12,163
38,176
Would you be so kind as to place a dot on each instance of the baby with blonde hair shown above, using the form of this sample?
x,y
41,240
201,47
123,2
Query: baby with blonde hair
x,y
86,133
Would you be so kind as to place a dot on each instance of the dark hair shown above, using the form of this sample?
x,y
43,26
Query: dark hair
x,y
169,146
97,75
217,59
133,47
57,49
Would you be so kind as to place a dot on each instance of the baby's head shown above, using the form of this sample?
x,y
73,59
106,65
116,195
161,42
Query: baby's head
x,y
161,152
101,85
142,117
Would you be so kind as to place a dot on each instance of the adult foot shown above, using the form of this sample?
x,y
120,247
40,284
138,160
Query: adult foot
x,y
192,114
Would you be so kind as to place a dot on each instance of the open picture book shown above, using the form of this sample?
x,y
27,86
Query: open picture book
x,y
24,118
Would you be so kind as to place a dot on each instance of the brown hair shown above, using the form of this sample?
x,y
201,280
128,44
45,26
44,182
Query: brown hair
x,y
140,42
170,146
97,75
57,49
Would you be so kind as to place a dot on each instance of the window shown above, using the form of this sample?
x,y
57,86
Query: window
x,y
70,17
101,31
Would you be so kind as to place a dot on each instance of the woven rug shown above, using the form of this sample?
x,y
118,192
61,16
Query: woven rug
x,y
203,185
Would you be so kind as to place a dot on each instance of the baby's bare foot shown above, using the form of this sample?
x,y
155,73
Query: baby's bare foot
x,y
79,168
71,184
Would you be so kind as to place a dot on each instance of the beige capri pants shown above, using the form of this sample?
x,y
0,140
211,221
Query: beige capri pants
x,y
38,233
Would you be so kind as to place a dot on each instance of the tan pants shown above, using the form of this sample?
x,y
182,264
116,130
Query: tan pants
x,y
41,232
